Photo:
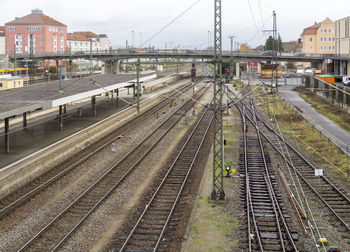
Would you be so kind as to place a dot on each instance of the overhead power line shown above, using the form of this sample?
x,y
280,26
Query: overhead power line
x,y
261,17
251,12
171,22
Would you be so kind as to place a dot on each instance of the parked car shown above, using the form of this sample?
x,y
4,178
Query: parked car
x,y
309,71
269,53
300,71
346,80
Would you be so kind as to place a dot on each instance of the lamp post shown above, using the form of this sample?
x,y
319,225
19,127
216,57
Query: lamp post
x,y
132,39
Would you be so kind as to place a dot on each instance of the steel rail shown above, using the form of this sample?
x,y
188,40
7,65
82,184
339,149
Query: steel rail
x,y
162,182
301,156
249,203
268,183
270,128
23,198
301,176
271,190
38,234
247,182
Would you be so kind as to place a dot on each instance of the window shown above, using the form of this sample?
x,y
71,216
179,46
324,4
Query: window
x,y
321,48
310,48
329,39
0,85
330,30
321,39
329,48
333,39
325,30
11,29
310,39
76,43
333,47
321,30
55,43
62,43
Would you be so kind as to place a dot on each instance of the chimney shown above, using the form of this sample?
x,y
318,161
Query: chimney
x,y
315,22
37,11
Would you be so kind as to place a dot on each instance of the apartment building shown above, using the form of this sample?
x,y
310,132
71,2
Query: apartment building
x,y
35,33
319,38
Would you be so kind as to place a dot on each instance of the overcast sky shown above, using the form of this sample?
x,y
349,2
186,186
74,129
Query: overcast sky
x,y
118,18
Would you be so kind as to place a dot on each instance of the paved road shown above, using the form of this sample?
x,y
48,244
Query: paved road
x,y
331,127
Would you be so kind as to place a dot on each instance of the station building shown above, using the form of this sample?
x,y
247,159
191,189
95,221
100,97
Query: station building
x,y
35,33
9,82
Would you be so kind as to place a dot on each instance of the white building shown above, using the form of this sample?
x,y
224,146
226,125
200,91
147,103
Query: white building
x,y
82,41
342,46
2,40
105,44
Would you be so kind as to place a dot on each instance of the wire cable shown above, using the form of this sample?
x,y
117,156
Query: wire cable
x,y
171,22
252,14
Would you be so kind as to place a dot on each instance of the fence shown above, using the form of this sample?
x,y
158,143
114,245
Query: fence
x,y
336,94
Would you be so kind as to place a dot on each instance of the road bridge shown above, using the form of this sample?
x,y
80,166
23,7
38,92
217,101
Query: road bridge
x,y
199,55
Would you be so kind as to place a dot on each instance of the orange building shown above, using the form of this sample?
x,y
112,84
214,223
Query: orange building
x,y
319,38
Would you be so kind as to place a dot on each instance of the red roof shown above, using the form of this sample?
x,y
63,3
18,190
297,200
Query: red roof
x,y
87,34
77,37
311,30
35,18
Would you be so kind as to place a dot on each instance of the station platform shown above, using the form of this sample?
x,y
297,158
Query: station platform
x,y
14,102
43,126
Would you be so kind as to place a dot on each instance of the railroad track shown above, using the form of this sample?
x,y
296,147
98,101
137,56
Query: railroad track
x,y
17,198
150,231
53,235
325,190
267,225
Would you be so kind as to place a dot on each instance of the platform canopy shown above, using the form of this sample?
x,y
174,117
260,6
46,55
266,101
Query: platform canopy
x,y
14,102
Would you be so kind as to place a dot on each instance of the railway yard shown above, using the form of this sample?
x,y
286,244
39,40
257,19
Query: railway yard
x,y
142,181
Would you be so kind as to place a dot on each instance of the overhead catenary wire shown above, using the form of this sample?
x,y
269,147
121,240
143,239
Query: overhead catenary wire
x,y
252,14
261,17
171,22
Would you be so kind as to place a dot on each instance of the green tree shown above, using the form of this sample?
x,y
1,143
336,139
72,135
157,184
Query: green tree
x,y
278,45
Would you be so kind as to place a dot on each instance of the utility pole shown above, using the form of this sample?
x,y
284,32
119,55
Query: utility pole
x,y
15,63
276,42
90,54
132,39
218,148
138,89
274,47
231,59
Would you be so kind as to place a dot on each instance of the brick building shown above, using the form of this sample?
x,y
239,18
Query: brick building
x,y
2,40
36,33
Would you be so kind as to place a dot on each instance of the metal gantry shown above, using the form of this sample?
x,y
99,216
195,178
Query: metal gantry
x,y
218,148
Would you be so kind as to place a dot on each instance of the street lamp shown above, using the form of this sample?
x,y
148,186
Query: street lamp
x,y
132,39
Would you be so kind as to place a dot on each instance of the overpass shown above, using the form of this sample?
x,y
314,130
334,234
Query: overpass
x,y
187,54
113,58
